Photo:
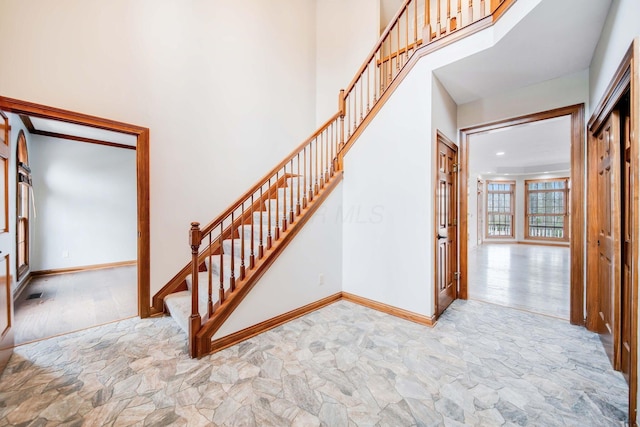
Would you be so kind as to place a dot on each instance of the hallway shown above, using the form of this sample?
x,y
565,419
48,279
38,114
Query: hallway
x,y
342,365
527,277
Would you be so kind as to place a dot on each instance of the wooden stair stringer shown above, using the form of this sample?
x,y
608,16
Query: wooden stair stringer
x,y
243,287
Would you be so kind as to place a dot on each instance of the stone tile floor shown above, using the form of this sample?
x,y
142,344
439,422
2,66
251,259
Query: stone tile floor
x,y
343,365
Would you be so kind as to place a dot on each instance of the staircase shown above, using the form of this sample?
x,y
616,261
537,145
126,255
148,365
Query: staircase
x,y
232,252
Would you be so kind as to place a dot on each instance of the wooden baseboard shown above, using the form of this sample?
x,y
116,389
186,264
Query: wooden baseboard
x,y
21,286
388,309
252,331
82,268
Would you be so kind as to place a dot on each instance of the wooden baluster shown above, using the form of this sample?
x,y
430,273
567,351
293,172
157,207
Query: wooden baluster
x,y
284,200
355,106
398,56
260,245
348,115
382,67
304,176
342,108
232,276
427,34
316,186
252,257
195,321
448,25
327,142
376,84
277,230
310,171
291,215
415,25
438,15
459,16
470,11
298,178
269,237
221,288
406,39
368,87
334,138
483,9
390,70
210,281
242,267
321,179
361,96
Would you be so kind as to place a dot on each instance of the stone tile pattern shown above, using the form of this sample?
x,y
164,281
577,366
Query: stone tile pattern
x,y
343,365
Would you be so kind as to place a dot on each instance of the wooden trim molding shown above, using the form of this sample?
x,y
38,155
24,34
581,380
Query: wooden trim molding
x,y
577,218
252,331
389,309
92,267
142,168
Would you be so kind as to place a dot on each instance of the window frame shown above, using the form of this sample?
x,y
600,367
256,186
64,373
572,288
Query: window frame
x,y
566,214
512,194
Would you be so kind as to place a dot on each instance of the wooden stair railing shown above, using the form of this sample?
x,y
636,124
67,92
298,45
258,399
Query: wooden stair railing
x,y
310,172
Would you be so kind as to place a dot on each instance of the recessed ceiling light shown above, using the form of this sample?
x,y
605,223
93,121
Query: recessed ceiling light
x,y
500,153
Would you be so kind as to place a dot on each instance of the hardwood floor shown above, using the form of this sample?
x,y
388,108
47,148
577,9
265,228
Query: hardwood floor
x,y
75,301
527,277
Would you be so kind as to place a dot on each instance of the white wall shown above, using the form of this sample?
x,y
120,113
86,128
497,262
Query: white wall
x,y
620,28
387,255
346,31
443,111
226,87
294,280
85,201
561,92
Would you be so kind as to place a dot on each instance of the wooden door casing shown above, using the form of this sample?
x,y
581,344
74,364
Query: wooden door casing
x,y
6,296
608,209
624,357
446,231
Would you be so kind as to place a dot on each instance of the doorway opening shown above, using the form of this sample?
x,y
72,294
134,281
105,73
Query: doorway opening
x,y
554,209
30,113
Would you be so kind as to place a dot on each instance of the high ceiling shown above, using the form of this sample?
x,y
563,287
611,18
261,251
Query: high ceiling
x,y
555,42
533,148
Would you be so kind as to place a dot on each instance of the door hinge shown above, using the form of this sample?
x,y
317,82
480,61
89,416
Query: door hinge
x,y
455,167
456,275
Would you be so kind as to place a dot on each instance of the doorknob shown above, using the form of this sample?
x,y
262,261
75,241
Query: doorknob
x,y
442,234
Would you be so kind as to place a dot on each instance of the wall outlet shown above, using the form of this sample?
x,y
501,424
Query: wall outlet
x,y
321,279
65,254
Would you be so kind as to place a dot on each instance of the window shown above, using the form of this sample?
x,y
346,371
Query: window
x,y
22,217
500,200
546,209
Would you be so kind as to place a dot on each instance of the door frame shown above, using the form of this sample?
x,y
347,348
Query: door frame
x,y
142,177
577,218
440,136
626,78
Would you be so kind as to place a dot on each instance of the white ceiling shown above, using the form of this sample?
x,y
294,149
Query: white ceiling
x,y
533,148
549,42
71,129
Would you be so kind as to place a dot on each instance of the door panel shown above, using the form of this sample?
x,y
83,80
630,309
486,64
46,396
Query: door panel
x,y
608,149
627,233
6,298
446,215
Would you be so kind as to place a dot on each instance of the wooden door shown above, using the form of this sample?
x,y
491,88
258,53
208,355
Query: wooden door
x,y
446,214
6,296
627,239
608,183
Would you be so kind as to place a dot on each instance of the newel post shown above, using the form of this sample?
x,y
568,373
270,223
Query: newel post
x,y
195,321
342,109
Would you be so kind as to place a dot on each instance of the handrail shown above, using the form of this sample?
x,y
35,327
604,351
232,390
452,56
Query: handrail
x,y
211,225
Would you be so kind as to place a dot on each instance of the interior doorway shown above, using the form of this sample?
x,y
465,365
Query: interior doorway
x,y
141,138
499,215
